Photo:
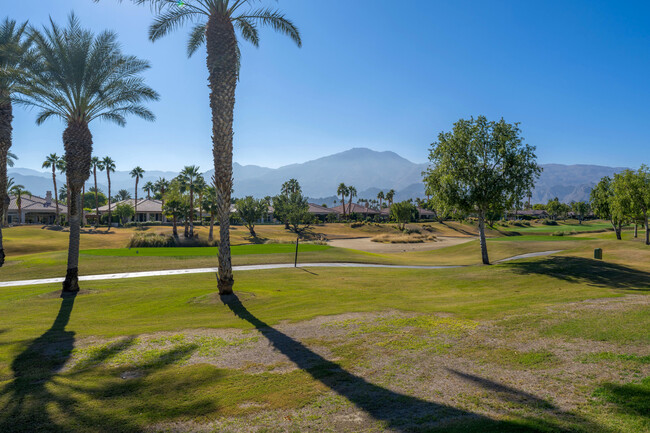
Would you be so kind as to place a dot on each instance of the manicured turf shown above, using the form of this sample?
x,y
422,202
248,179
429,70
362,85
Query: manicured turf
x,y
236,250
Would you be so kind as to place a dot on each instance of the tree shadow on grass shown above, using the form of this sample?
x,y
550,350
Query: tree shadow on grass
x,y
590,271
42,398
401,412
631,398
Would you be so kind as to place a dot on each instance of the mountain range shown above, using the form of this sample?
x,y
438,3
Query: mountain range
x,y
368,170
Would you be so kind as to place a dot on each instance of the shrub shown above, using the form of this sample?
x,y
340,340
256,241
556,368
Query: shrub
x,y
150,240
549,222
143,224
357,224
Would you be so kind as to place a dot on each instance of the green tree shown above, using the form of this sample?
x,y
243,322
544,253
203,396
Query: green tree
x,y
18,191
137,173
188,179
124,211
148,188
481,165
52,161
250,211
122,195
554,208
215,24
109,166
634,188
291,186
342,190
209,205
80,77
381,197
14,45
580,208
352,192
390,195
96,164
293,210
607,205
88,199
403,213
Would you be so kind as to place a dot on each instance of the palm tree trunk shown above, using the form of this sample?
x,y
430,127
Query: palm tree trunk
x,y
78,143
343,204
174,229
191,212
211,233
6,117
96,199
222,62
56,195
135,216
110,219
481,231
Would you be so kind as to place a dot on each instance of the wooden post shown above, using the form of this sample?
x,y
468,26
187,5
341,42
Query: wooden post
x,y
295,262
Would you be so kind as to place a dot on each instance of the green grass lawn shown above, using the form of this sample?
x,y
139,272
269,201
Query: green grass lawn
x,y
482,349
237,250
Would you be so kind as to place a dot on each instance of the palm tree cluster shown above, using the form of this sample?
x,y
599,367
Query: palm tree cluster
x,y
78,76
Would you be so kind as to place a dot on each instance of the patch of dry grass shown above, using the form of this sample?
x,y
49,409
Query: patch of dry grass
x,y
412,238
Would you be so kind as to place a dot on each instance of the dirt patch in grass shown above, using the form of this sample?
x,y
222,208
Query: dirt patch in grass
x,y
368,245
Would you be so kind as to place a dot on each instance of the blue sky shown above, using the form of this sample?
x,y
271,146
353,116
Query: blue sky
x,y
385,75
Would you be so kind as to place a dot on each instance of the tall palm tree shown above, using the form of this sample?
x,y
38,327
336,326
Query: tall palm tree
x,y
162,185
380,197
200,185
80,77
137,173
52,161
13,48
291,186
10,184
96,164
148,187
18,191
188,179
109,166
389,197
352,192
343,191
215,23
209,205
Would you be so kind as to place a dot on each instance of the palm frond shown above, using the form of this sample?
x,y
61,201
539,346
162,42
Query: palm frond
x,y
197,38
276,20
248,30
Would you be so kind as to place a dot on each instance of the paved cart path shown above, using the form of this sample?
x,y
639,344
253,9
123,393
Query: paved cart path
x,y
119,276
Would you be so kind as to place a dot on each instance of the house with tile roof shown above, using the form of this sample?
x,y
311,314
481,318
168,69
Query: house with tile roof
x,y
34,209
148,209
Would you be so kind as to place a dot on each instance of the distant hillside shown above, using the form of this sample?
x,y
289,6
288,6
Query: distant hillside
x,y
368,170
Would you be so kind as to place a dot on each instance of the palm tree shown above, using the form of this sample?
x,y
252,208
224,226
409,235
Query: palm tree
x,y
123,195
352,192
96,164
18,191
343,191
380,197
109,166
148,187
52,161
79,77
291,186
10,184
161,186
200,186
188,178
137,173
13,46
209,205
215,23
389,197
11,159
